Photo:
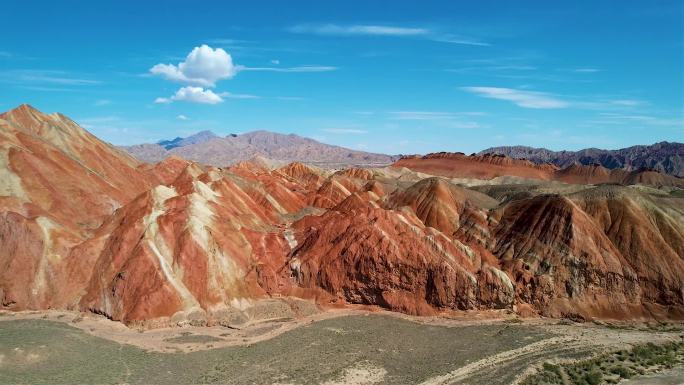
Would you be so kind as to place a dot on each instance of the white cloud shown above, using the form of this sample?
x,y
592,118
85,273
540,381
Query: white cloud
x,y
203,66
525,99
291,69
334,29
275,61
345,131
192,95
182,117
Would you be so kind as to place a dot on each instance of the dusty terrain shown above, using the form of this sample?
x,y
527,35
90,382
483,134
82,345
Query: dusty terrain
x,y
344,347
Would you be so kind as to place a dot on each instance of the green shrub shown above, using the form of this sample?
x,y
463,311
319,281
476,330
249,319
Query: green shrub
x,y
594,377
621,371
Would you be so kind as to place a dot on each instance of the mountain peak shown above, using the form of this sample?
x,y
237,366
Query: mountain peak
x,y
22,111
200,137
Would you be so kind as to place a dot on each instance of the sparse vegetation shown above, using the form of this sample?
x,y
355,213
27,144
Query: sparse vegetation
x,y
47,352
612,367
406,352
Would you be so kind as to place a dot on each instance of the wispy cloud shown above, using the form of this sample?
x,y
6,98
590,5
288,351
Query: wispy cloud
x,y
237,96
226,41
290,98
521,98
344,131
102,102
311,68
586,70
645,120
49,77
340,30
182,117
627,102
430,115
49,89
493,68
465,125
454,39
384,30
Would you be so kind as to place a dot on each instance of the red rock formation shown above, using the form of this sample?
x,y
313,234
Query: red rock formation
x,y
355,172
491,166
84,226
379,257
440,204
57,184
303,174
479,166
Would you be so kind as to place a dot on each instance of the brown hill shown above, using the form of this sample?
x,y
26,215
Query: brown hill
x,y
207,148
664,157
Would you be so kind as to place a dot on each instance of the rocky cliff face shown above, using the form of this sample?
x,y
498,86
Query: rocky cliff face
x,y
85,226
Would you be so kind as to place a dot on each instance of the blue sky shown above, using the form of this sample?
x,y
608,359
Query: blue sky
x,y
385,76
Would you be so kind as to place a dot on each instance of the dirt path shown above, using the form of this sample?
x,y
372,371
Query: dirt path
x,y
247,334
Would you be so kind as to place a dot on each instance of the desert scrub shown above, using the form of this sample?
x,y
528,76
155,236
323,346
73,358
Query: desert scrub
x,y
612,367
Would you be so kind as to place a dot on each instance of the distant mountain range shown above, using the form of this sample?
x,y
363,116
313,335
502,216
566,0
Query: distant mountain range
x,y
666,157
208,148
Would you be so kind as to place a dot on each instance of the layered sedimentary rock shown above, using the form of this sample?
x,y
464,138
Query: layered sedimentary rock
x,y
84,226
489,166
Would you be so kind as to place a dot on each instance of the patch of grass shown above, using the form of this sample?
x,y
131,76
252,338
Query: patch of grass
x,y
610,368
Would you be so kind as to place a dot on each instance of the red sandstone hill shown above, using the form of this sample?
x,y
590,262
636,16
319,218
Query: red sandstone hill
x,y
457,165
84,226
489,166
